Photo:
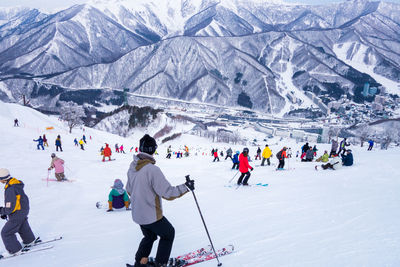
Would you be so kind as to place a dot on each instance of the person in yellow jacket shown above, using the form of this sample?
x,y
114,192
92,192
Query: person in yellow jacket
x,y
81,143
266,155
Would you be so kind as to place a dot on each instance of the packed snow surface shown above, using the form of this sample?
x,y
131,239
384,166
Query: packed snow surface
x,y
348,217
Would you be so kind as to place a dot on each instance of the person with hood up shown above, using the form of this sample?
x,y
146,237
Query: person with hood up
x,y
244,167
58,165
266,155
107,153
146,186
16,209
118,198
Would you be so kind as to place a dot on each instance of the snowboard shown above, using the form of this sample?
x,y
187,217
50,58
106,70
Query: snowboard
x,y
108,160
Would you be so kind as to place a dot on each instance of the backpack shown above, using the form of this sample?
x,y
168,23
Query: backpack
x,y
279,154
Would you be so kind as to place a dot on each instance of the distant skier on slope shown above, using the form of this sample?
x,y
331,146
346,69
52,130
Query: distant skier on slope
x,y
58,143
16,209
258,156
146,186
169,151
235,161
45,141
216,155
107,153
371,144
229,153
40,143
118,198
244,167
266,155
81,143
16,123
58,165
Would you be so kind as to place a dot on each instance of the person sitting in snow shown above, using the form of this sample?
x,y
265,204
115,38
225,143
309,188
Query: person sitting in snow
x,y
58,165
107,153
334,164
309,155
324,157
118,198
244,167
347,159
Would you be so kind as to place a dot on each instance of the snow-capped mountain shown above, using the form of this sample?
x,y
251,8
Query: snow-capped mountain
x,y
260,55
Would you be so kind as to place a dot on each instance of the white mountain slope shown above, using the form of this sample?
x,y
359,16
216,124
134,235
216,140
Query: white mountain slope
x,y
304,217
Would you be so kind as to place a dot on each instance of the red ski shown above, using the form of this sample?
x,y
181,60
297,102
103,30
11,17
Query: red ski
x,y
204,254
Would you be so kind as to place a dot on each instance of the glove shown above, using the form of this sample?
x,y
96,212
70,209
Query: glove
x,y
252,169
4,217
190,184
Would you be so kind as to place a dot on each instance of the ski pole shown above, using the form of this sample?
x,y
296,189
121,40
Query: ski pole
x,y
233,177
204,223
48,174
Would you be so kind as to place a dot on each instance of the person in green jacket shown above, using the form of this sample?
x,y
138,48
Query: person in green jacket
x,y
324,157
118,198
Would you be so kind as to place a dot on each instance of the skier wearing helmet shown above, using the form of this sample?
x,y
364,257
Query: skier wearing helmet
x,y
244,167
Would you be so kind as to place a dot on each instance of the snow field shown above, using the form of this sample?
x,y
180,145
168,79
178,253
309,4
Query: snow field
x,y
348,217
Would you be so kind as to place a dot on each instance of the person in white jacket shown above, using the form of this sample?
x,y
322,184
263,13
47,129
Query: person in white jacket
x,y
146,186
334,164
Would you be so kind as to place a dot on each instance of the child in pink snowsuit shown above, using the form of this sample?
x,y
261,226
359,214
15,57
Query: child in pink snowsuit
x,y
58,165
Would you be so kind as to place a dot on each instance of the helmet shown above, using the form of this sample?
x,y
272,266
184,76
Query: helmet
x,y
53,155
246,150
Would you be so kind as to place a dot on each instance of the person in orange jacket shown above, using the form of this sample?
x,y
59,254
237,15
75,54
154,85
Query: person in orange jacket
x,y
107,153
244,167
281,155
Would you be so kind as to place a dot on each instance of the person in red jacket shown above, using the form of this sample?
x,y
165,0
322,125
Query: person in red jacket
x,y
281,155
216,155
244,167
107,153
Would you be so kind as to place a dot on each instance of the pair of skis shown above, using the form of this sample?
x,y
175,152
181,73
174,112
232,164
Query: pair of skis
x,y
39,245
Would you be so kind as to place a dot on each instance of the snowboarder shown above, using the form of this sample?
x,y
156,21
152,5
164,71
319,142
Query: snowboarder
x,y
169,151
244,167
347,159
16,209
333,148
45,141
58,165
235,161
266,155
16,123
258,154
40,143
81,143
281,155
121,149
216,155
107,153
229,153
146,186
58,143
371,144
118,198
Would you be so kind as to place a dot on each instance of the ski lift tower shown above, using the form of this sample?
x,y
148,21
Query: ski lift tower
x,y
125,94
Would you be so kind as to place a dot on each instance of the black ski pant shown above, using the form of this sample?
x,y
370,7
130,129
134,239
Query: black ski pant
x,y
370,147
57,147
327,166
216,158
281,164
246,176
13,226
162,228
228,156
169,156
263,160
235,165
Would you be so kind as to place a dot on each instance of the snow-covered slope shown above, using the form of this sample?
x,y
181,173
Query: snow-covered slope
x,y
304,217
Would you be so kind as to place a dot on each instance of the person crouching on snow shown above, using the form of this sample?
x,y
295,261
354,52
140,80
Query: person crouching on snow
x,y
118,198
244,167
58,165
16,208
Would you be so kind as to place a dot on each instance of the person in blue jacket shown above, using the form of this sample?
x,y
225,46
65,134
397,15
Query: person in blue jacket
x,y
40,143
371,144
348,158
235,161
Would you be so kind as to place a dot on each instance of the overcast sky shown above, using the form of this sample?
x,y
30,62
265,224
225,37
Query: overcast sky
x,y
50,5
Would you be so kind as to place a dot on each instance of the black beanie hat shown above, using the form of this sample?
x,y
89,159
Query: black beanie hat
x,y
147,144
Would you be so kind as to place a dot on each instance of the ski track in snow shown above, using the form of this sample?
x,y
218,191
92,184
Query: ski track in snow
x,y
348,217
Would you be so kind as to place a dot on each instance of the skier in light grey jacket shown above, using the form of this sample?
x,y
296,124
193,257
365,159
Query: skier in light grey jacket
x,y
146,186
